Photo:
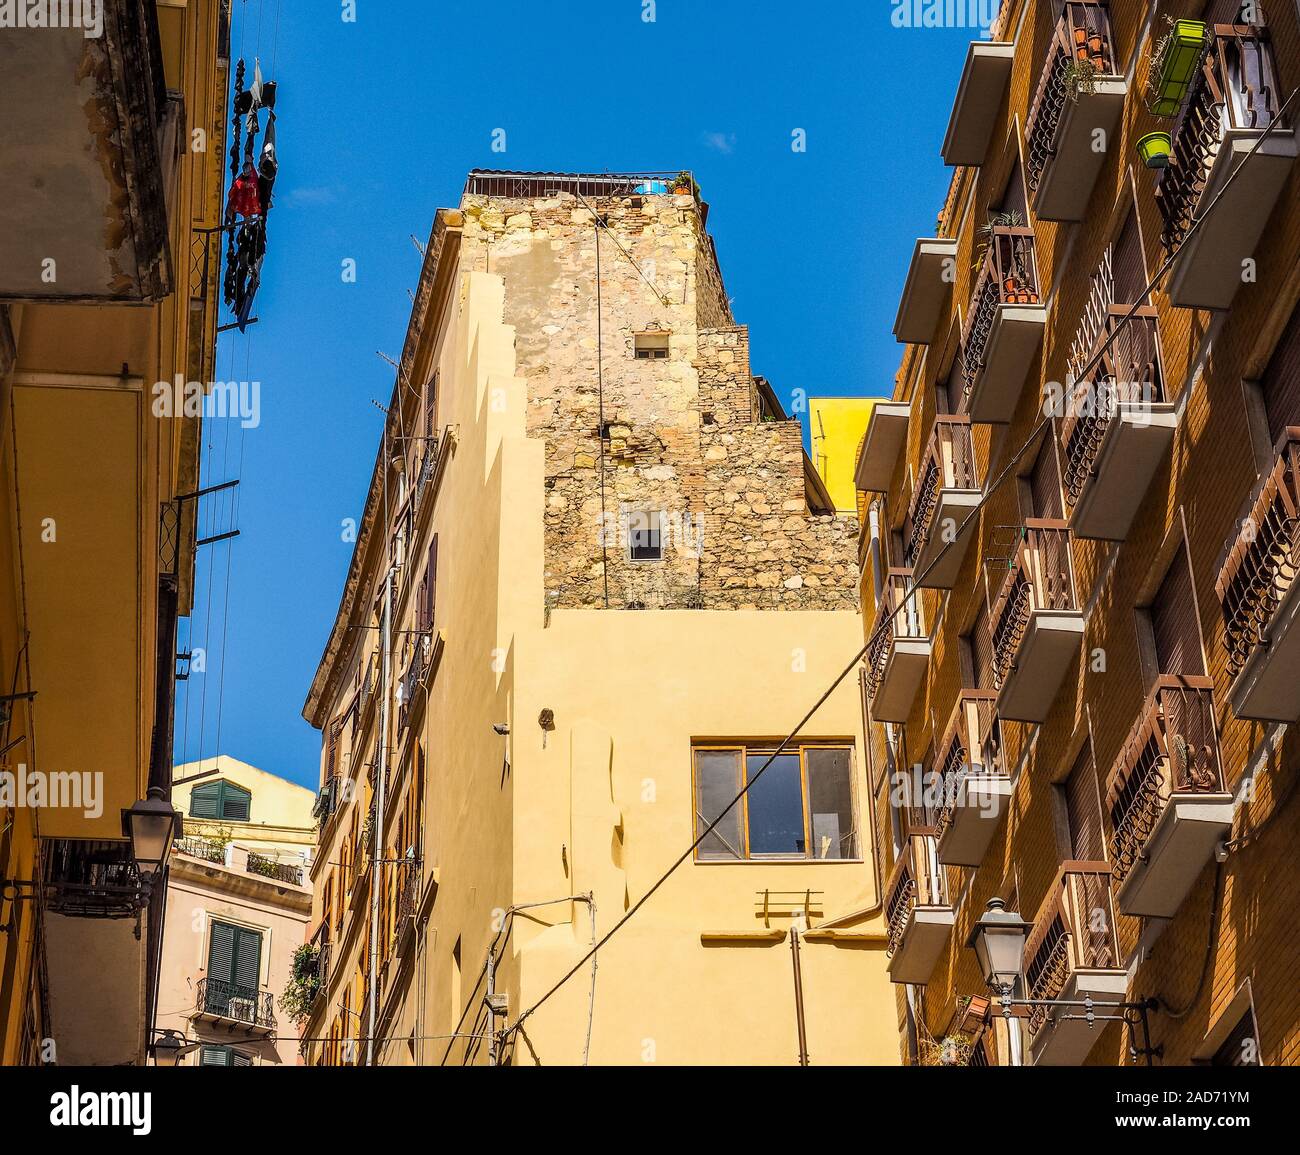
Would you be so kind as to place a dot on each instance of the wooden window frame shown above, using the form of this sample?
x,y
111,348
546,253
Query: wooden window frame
x,y
746,747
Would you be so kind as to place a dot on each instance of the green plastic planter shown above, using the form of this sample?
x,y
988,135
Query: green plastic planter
x,y
1154,149
1177,66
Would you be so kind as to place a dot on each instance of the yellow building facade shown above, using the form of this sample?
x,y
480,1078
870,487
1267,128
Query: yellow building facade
x,y
107,286
610,590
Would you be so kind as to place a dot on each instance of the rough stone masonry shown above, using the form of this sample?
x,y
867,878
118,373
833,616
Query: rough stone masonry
x,y
682,437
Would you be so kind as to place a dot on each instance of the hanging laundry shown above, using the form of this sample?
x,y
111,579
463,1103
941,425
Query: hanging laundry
x,y
245,199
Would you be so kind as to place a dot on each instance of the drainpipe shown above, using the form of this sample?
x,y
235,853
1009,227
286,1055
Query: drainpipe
x,y
377,829
798,995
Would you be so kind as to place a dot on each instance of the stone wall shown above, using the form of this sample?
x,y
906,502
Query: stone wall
x,y
626,436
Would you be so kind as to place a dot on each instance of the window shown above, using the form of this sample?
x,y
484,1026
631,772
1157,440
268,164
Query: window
x,y
223,1057
1082,803
645,536
1241,1047
652,346
234,970
801,806
221,800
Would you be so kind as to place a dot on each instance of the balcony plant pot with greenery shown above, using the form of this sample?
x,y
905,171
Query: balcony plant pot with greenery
x,y
1175,59
1154,149
684,184
304,982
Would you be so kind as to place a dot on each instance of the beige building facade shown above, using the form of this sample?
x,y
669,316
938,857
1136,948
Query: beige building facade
x,y
238,905
616,584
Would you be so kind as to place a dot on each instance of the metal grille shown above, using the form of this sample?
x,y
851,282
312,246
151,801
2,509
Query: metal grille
x,y
1008,276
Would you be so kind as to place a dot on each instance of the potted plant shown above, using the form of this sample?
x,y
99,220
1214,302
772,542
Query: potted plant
x,y
1154,149
1080,76
1175,59
304,981
1010,220
684,184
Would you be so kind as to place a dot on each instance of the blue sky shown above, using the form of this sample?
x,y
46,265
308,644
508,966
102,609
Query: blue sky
x,y
379,121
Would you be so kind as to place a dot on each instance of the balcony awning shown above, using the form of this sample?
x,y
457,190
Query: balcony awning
x,y
979,96
886,432
929,278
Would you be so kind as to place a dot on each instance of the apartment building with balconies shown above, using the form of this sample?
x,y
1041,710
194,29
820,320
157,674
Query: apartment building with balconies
x,y
111,176
1081,522
612,581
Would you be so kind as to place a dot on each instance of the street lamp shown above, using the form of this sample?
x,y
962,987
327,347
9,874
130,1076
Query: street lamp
x,y
169,1046
152,825
999,941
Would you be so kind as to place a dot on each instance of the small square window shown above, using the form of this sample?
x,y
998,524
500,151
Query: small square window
x,y
644,536
651,346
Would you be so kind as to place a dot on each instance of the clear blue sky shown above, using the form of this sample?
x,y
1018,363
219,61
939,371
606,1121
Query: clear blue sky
x,y
379,121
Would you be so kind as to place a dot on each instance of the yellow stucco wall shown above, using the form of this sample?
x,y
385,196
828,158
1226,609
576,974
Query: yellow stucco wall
x,y
280,814
836,426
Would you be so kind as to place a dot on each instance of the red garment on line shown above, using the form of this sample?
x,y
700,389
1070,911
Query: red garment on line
x,y
244,198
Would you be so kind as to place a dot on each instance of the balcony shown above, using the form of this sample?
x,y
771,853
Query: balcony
x,y
272,868
976,789
886,433
1037,624
1233,100
1004,327
1165,796
409,880
979,97
1072,954
225,1004
1258,591
918,911
899,652
1117,424
929,277
946,495
1077,103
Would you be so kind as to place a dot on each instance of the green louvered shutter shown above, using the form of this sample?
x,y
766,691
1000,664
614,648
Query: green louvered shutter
x,y
216,1057
203,800
221,952
248,961
239,1059
236,803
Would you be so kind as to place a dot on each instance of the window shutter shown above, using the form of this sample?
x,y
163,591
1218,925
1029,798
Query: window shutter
x,y
430,407
248,959
1173,622
221,953
1127,269
1281,381
203,800
1044,485
981,648
217,1057
236,802
1083,809
431,588
239,1059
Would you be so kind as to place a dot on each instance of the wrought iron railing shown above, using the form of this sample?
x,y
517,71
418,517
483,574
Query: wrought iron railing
x,y
1008,276
1237,88
1073,930
948,463
202,848
900,595
412,682
90,878
971,744
917,880
1261,561
241,1004
1127,373
272,868
1172,748
1041,577
1081,46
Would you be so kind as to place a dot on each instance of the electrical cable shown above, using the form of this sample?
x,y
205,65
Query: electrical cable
x,y
887,619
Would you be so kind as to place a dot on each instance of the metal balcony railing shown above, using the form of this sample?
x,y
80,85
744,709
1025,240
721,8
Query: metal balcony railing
x,y
89,878
948,463
1081,41
412,682
1261,560
239,1004
201,848
908,623
1041,578
326,800
1127,373
1008,276
916,880
972,743
1172,748
1073,930
271,868
1237,88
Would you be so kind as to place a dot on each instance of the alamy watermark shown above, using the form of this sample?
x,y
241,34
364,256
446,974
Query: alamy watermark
x,y
65,790
978,14
88,15
181,398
